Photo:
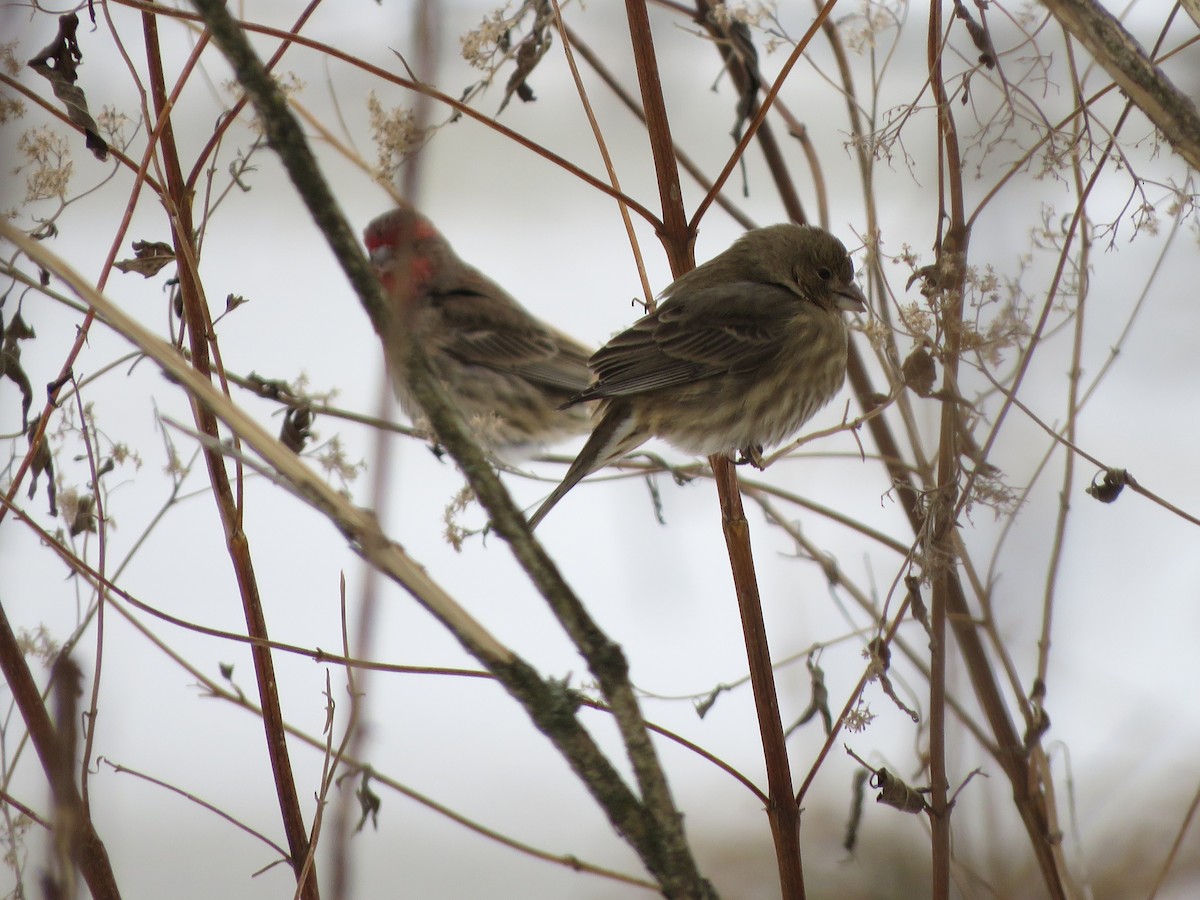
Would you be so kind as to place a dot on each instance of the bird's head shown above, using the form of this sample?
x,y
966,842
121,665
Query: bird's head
x,y
406,251
807,260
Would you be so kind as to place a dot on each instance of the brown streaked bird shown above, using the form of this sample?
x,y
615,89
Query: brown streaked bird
x,y
509,374
742,351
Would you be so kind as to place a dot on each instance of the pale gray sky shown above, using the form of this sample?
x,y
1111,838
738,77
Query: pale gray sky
x,y
1128,586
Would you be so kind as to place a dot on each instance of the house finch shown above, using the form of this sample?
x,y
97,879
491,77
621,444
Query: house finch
x,y
740,353
508,373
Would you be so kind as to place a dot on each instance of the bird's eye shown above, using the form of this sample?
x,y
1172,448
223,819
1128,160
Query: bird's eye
x,y
824,273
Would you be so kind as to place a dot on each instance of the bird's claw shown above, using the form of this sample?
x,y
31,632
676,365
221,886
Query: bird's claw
x,y
752,455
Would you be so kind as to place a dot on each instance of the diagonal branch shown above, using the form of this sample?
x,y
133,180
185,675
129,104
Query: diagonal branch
x,y
652,824
1170,110
550,705
93,858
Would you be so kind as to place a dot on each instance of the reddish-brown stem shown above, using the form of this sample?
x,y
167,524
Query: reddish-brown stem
x,y
93,857
1009,749
611,81
229,118
678,238
782,810
677,234
458,106
179,205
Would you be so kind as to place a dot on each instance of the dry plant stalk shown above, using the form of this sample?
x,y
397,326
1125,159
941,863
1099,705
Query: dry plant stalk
x,y
940,375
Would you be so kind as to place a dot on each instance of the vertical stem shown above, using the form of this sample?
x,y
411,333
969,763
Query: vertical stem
x,y
678,239
91,446
1038,692
93,857
941,545
782,811
178,201
938,780
1010,752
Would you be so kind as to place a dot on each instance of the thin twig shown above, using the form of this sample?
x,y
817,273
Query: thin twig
x,y
199,326
602,146
1173,853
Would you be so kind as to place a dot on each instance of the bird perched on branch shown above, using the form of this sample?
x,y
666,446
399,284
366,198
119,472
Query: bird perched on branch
x,y
741,352
509,374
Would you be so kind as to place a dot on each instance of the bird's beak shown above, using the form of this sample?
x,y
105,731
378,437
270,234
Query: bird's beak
x,y
850,298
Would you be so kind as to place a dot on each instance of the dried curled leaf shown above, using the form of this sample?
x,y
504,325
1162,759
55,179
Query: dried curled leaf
x,y
740,56
916,603
270,388
42,462
819,705
149,257
84,518
369,802
919,371
896,793
1039,724
893,791
59,63
530,51
704,705
1108,488
297,427
979,35
880,656
10,362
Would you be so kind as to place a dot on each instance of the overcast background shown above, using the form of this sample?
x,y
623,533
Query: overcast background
x,y
1121,698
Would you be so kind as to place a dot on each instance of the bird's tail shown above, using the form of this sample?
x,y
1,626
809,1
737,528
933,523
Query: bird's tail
x,y
614,435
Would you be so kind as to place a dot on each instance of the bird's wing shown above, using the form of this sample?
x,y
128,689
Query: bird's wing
x,y
707,333
497,334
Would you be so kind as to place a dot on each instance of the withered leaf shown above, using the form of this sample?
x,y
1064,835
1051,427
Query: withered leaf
x,y
979,35
919,371
896,793
149,258
856,810
530,51
85,516
297,427
58,63
1108,488
42,462
369,803
10,362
